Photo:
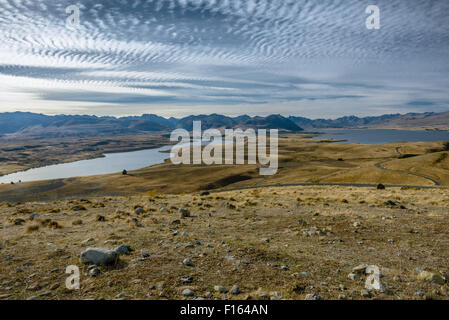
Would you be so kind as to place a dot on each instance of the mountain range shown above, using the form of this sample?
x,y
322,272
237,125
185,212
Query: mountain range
x,y
26,123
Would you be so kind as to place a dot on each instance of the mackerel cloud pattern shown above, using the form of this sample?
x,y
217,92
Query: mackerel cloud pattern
x,y
178,57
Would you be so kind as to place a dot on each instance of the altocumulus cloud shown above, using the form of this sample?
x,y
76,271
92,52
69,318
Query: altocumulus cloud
x,y
178,57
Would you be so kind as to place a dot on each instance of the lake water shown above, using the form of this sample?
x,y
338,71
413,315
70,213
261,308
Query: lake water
x,y
365,136
116,162
111,163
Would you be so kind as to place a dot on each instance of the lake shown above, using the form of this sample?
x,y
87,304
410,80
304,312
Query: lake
x,y
116,162
372,136
111,163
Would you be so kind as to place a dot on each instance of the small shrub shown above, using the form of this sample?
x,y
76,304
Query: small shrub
x,y
54,225
77,222
32,228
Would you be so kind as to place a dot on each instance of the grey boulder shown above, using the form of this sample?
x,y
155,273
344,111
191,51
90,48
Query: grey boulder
x,y
99,256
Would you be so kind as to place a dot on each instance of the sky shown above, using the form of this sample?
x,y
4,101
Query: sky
x,y
180,57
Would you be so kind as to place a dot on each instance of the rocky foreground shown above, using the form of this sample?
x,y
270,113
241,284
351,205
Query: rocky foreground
x,y
270,243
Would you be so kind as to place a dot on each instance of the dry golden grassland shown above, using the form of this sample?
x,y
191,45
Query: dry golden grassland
x,y
273,243
301,160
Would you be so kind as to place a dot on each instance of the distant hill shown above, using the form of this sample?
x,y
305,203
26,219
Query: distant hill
x,y
271,122
428,120
33,124
343,122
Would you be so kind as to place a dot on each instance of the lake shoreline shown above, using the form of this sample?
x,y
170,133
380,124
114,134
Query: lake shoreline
x,y
325,136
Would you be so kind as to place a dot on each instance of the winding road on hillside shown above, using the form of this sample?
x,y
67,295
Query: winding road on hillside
x,y
358,185
380,166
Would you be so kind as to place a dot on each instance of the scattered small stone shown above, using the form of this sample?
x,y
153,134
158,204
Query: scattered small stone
x,y
144,254
187,262
188,293
19,221
357,224
235,289
204,193
265,240
342,297
220,289
313,296
139,210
